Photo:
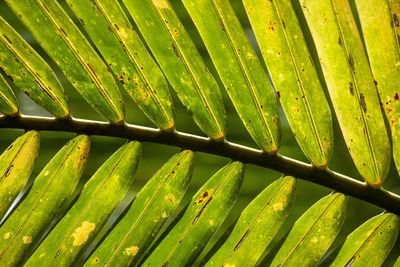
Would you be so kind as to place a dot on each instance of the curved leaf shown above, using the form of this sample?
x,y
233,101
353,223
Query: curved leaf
x,y
153,205
47,198
379,35
244,79
313,233
45,90
370,243
61,39
181,62
101,194
257,225
16,165
127,57
293,74
351,85
8,102
206,212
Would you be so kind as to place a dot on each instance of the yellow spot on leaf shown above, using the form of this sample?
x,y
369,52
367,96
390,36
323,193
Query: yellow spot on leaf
x,y
81,233
164,214
94,260
279,206
131,251
161,4
314,239
26,239
7,235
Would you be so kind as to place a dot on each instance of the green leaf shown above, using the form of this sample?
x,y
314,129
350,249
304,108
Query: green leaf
x,y
66,45
293,74
206,212
8,102
153,205
313,233
397,263
47,198
384,57
16,165
45,90
101,194
181,62
370,243
244,79
127,57
351,85
257,225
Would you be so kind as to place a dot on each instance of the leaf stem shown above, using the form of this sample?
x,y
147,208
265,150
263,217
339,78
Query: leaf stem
x,y
327,178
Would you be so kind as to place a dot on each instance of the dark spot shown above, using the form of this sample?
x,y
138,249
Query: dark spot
x,y
396,96
351,62
362,103
57,253
340,41
221,23
283,24
8,40
241,240
376,82
116,26
351,88
82,22
272,26
61,30
278,94
201,211
396,20
175,50
202,197
8,171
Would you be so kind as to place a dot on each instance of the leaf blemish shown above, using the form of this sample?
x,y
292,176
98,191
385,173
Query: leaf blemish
x,y
201,211
26,239
351,63
8,171
362,103
396,20
81,233
131,251
351,88
202,197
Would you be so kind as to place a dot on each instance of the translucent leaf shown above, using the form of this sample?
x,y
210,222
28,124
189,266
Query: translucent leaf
x,y
47,198
42,85
370,243
351,86
16,165
181,63
153,205
313,233
257,225
205,213
293,74
101,194
132,65
66,45
239,68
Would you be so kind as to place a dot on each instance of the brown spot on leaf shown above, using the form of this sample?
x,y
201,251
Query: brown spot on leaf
x,y
396,20
396,96
202,198
351,88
